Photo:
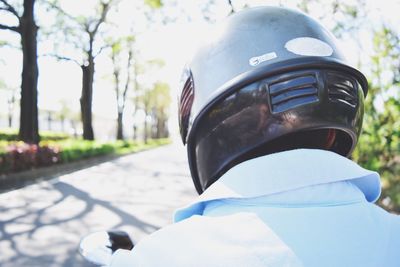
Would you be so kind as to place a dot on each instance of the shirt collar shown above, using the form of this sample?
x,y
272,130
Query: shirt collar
x,y
285,171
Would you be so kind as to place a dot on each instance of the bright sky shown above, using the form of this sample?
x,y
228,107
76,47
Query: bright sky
x,y
61,81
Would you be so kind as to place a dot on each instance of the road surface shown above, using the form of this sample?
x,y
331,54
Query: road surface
x,y
41,225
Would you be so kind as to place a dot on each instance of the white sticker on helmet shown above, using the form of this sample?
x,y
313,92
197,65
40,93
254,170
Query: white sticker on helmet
x,y
308,46
254,61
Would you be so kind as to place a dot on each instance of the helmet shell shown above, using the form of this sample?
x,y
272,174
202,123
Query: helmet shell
x,y
248,50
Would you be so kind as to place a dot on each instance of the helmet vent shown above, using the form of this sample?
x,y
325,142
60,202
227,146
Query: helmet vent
x,y
293,92
342,89
185,105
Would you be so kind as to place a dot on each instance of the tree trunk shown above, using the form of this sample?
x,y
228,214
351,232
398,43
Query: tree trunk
x,y
134,128
166,132
29,125
160,127
73,126
120,131
49,121
145,130
135,124
154,120
136,83
10,113
62,120
10,120
86,99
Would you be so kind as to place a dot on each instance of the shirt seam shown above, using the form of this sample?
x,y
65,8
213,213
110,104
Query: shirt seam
x,y
242,202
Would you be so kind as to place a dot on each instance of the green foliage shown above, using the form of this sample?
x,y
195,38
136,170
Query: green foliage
x,y
158,97
379,150
153,3
116,47
3,147
379,145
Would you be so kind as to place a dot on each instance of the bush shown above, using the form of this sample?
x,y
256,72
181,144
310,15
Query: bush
x,y
20,156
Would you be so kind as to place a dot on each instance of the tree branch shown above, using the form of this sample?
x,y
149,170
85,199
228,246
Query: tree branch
x,y
101,50
10,28
58,57
104,11
5,44
62,12
231,6
128,78
9,8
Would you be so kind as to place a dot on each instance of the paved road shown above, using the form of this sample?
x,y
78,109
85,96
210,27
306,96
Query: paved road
x,y
41,225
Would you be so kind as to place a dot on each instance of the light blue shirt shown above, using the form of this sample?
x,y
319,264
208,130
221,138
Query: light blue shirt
x,y
296,208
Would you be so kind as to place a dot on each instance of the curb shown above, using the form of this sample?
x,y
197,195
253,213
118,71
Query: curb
x,y
9,182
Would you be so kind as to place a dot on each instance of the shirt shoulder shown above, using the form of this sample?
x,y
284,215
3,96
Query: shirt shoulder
x,y
393,245
235,240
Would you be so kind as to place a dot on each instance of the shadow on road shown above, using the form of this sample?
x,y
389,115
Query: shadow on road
x,y
32,222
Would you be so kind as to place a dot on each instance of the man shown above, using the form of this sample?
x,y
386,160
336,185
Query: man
x,y
269,111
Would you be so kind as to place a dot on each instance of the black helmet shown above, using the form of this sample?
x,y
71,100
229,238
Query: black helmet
x,y
271,79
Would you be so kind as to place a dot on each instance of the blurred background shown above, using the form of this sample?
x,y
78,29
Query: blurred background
x,y
109,70
79,79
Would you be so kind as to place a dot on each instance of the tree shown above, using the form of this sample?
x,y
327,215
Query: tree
x,y
136,96
160,100
145,85
85,33
27,29
156,102
82,33
122,49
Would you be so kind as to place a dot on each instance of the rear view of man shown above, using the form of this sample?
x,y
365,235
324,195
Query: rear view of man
x,y
270,111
